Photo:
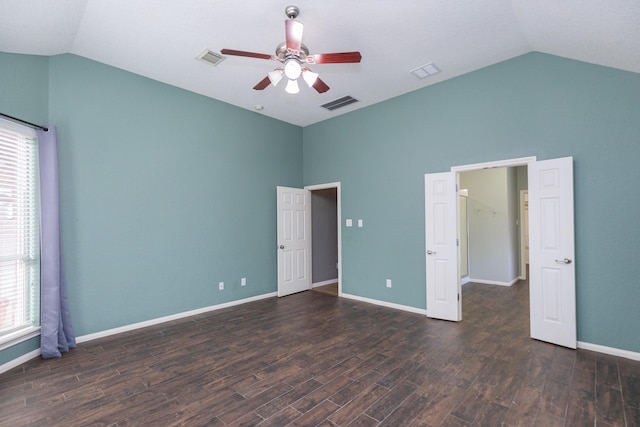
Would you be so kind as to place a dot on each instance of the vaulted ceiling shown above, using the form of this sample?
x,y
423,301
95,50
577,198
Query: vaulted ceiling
x,y
161,39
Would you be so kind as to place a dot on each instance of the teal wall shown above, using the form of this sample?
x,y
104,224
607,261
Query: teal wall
x,y
24,87
533,105
164,193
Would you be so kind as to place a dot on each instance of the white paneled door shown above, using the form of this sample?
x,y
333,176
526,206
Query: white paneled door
x,y
294,240
443,279
551,252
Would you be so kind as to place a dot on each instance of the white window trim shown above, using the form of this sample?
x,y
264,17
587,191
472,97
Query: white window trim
x,y
19,336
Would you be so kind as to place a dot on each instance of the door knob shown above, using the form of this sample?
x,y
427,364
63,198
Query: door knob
x,y
431,252
564,261
281,246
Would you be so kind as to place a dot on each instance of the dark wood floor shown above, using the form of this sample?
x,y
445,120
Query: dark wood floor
x,y
331,289
314,359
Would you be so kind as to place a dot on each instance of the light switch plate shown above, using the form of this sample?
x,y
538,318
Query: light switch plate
x,y
349,222
360,223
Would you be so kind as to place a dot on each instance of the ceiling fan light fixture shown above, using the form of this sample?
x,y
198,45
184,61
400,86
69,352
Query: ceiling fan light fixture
x,y
310,77
292,87
275,76
294,56
292,69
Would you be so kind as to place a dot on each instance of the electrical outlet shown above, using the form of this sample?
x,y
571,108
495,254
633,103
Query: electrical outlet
x,y
243,281
221,285
388,283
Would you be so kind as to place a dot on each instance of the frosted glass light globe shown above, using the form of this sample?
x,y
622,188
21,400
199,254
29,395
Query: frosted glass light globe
x,y
292,69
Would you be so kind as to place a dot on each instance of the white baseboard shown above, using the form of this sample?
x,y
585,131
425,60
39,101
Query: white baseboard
x,y
324,283
386,304
495,282
464,280
609,350
131,327
36,353
19,360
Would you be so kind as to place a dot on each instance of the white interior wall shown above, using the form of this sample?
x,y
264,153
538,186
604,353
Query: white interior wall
x,y
492,208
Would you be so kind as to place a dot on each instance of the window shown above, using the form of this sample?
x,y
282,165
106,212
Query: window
x,y
19,234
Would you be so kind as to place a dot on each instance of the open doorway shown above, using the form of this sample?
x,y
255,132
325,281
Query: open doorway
x,y
490,229
552,270
490,225
325,238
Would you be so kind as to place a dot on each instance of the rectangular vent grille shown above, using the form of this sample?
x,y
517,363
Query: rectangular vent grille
x,y
211,57
339,103
426,70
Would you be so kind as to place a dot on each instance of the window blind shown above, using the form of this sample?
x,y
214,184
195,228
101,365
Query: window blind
x,y
19,231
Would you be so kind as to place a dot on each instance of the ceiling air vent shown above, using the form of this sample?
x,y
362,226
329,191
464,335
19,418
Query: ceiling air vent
x,y
210,57
426,70
339,103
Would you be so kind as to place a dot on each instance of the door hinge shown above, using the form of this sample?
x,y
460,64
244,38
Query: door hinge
x,y
457,242
458,296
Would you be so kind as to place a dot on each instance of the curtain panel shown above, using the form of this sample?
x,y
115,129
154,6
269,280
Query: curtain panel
x,y
56,335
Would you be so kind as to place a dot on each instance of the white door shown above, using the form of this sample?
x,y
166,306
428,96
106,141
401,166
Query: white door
x,y
443,279
551,252
294,240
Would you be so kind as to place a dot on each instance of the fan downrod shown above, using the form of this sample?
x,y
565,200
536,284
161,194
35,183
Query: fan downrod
x,y
292,11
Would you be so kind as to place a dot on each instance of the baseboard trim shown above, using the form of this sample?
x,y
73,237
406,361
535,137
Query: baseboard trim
x,y
36,353
464,280
152,322
386,304
609,350
19,361
324,283
495,282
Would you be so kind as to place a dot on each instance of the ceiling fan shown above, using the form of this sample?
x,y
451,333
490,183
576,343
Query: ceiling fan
x,y
295,57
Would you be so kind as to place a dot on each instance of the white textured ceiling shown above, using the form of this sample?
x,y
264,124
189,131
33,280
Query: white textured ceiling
x,y
160,39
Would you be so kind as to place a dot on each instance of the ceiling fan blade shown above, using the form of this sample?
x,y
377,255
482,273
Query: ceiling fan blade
x,y
263,84
334,58
243,53
320,86
293,31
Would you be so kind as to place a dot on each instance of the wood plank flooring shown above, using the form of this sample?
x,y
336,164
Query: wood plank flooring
x,y
331,289
313,359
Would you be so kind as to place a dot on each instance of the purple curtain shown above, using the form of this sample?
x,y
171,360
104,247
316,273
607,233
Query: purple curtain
x,y
56,334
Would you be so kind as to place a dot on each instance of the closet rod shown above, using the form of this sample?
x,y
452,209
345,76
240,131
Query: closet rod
x,y
24,122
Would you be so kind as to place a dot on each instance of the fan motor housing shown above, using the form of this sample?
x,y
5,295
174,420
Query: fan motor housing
x,y
283,53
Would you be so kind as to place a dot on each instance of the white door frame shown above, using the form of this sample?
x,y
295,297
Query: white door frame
x,y
520,161
326,186
523,245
